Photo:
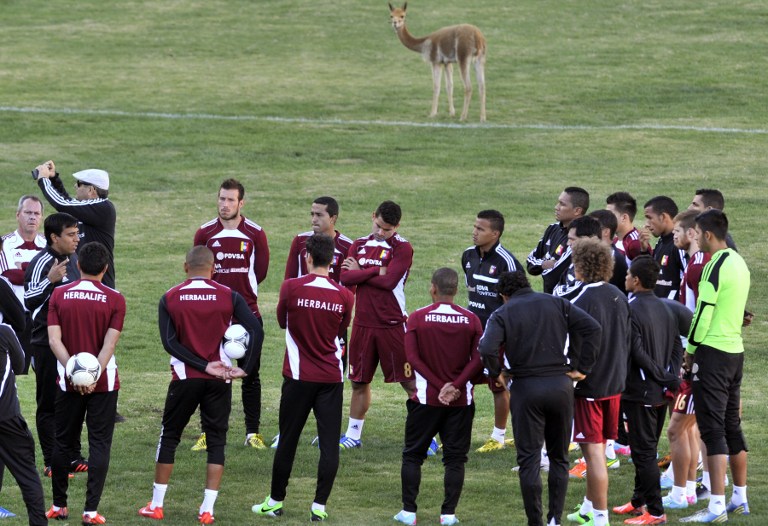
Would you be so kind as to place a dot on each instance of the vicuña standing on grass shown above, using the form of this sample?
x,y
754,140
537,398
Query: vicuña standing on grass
x,y
459,44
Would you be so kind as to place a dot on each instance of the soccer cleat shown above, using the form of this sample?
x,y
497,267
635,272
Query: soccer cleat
x,y
706,516
702,492
622,449
579,471
578,518
61,514
275,441
490,445
150,513
255,440
432,449
665,461
669,503
78,466
95,519
665,482
448,520
739,509
647,518
201,444
628,509
613,463
5,514
265,510
406,517
509,442
205,518
346,442
317,516
573,446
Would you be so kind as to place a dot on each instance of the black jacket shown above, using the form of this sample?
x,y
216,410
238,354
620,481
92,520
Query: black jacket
x,y
552,245
11,364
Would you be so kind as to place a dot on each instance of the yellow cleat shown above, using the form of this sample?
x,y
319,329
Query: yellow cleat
x,y
490,445
201,444
510,442
255,440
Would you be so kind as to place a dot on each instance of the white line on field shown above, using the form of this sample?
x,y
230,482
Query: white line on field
x,y
346,122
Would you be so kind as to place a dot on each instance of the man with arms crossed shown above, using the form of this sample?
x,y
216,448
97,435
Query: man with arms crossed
x,y
50,268
241,257
545,259
534,329
441,346
596,409
85,316
315,311
715,357
483,263
378,265
624,207
193,317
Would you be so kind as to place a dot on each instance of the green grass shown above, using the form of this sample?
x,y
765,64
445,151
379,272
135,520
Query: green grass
x,y
609,96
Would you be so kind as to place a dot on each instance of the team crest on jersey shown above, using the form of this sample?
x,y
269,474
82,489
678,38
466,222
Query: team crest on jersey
x,y
559,250
664,260
384,253
492,270
335,261
244,246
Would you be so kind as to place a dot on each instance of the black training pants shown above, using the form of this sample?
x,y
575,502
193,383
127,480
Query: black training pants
x,y
645,426
17,452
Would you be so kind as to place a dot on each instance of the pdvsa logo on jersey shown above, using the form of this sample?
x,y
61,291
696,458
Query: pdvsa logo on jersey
x,y
244,246
221,256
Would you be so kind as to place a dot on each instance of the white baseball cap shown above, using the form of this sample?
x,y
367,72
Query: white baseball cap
x,y
94,176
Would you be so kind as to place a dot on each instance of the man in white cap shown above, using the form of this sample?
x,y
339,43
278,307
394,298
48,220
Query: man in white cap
x,y
91,206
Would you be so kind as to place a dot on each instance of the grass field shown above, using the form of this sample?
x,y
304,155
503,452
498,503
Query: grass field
x,y
299,99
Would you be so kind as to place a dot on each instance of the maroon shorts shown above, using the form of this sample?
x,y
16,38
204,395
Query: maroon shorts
x,y
684,399
370,346
595,421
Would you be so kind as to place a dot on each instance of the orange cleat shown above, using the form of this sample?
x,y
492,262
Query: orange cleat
x,y
150,513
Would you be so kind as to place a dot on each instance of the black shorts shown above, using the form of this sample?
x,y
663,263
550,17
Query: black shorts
x,y
716,379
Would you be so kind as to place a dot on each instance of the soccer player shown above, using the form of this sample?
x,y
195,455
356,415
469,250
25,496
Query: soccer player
x,y
682,432
545,259
608,225
534,329
315,312
585,226
660,213
91,206
624,207
441,346
483,263
85,317
715,355
378,265
708,199
241,262
17,447
50,268
655,352
193,317
596,408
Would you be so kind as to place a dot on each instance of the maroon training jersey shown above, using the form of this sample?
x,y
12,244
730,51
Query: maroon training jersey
x,y
441,346
380,298
689,287
85,310
631,246
296,266
200,310
241,256
314,311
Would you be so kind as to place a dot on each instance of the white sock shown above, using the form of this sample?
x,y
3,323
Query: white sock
x,y
678,493
318,507
499,434
600,517
273,502
717,504
158,495
586,506
209,499
705,480
91,514
355,428
610,453
690,488
739,495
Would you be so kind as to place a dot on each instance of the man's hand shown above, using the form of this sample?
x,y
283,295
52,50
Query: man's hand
x,y
448,394
236,372
688,362
85,389
46,170
645,239
350,263
548,264
217,369
575,375
58,271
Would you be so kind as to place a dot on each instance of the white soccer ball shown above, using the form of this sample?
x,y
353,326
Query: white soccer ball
x,y
235,342
83,369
